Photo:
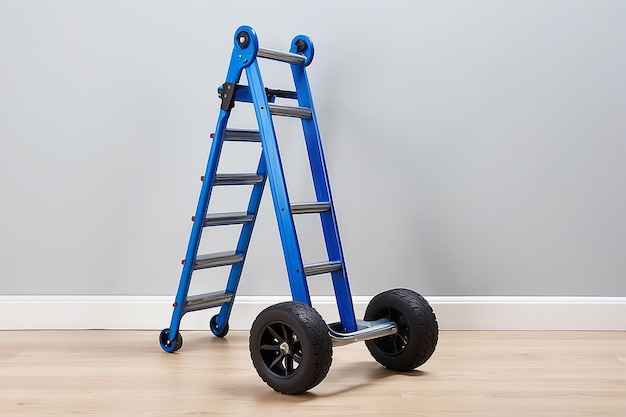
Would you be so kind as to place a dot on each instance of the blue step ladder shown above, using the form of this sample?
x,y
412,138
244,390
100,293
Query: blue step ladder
x,y
245,56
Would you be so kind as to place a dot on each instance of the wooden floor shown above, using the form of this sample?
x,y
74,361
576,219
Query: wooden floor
x,y
125,373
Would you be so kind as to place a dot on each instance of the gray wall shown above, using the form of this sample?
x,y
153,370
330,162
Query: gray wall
x,y
474,147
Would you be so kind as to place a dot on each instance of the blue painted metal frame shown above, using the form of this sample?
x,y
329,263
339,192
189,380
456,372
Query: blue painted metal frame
x,y
278,186
244,57
240,59
321,184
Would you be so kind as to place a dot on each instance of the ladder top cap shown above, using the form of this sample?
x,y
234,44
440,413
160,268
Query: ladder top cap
x,y
303,45
247,42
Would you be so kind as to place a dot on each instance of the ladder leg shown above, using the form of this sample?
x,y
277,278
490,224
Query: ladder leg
x,y
238,62
322,190
196,230
278,186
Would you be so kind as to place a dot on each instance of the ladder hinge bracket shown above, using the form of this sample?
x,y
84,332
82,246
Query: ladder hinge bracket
x,y
227,95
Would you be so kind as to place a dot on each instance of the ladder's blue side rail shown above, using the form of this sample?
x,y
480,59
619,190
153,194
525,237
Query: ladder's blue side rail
x,y
278,186
244,53
321,184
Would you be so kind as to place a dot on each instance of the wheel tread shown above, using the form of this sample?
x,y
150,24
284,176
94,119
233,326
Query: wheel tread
x,y
320,345
324,343
425,323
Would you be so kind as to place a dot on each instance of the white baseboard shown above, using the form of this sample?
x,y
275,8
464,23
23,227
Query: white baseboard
x,y
453,313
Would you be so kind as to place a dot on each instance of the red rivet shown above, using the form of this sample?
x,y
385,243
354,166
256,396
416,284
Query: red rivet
x,y
175,305
212,135
182,262
193,218
202,178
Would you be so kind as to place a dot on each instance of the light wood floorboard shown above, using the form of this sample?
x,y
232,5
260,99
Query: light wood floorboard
x,y
125,373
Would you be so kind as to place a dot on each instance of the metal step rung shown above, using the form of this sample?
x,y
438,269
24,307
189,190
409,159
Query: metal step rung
x,y
212,260
302,112
281,56
273,93
208,300
222,219
237,179
236,135
321,268
306,208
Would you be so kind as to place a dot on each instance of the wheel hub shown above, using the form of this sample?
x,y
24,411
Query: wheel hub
x,y
284,348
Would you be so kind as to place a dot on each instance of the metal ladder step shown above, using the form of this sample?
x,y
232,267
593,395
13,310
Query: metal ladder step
x,y
212,260
237,135
242,93
322,268
208,300
223,219
237,179
301,112
306,208
281,56
273,93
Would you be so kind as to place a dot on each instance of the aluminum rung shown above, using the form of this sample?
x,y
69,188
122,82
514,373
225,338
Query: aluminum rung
x,y
217,259
302,112
236,135
208,300
321,268
222,219
237,179
281,56
306,208
281,93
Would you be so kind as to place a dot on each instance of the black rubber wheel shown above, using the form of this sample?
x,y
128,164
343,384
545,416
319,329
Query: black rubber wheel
x,y
213,325
290,347
417,335
173,345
